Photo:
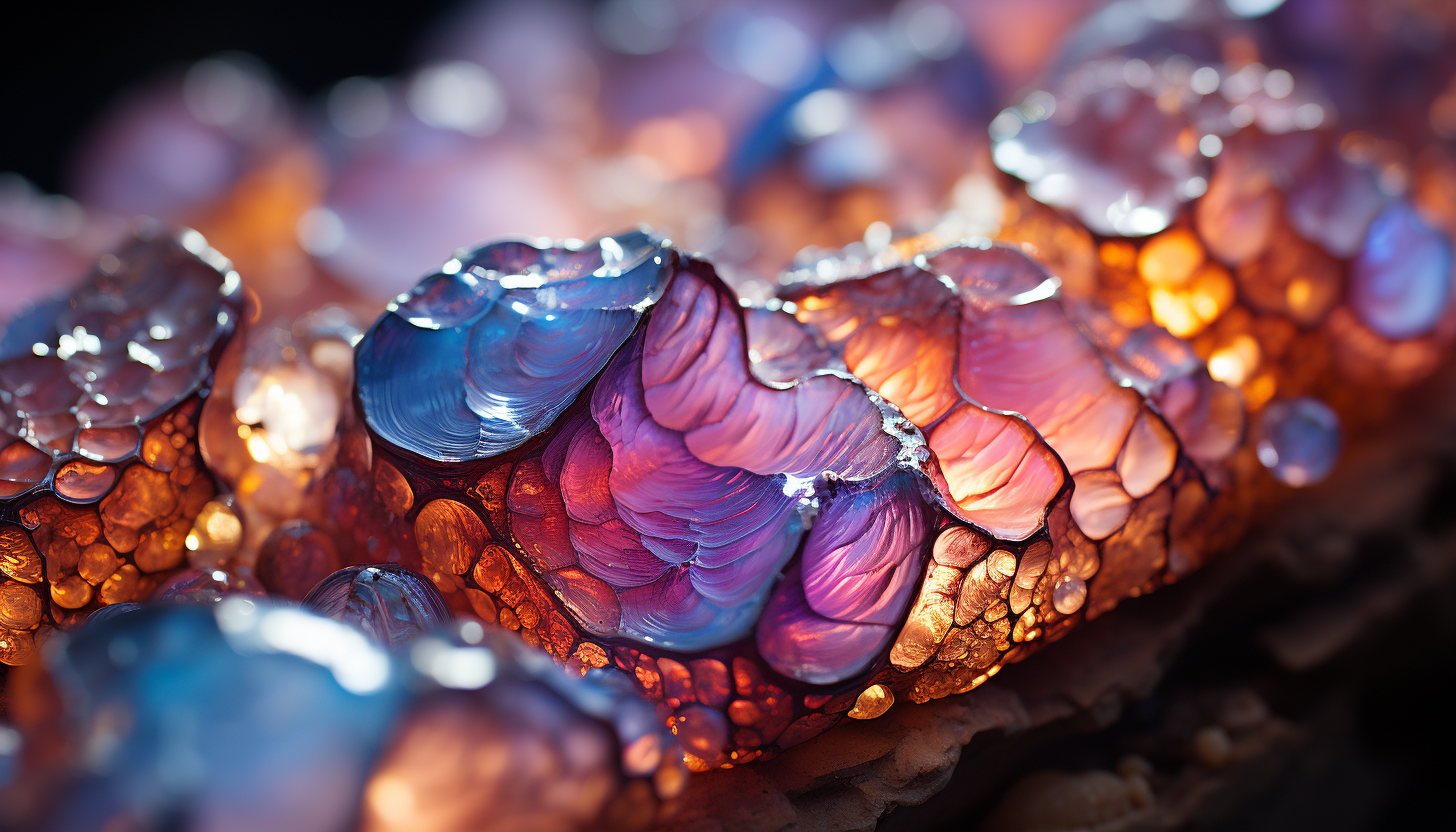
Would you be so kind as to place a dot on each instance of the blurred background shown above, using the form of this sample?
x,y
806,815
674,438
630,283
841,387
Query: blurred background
x,y
341,153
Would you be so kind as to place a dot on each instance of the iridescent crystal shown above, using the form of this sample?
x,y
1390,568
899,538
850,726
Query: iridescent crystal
x,y
1400,283
127,346
502,341
247,714
279,703
389,603
1106,147
100,471
1299,440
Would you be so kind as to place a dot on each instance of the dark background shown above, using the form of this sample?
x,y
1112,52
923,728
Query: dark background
x,y
64,63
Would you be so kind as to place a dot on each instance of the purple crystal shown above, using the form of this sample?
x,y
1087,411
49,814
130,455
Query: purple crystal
x,y
501,738
780,348
1400,284
665,510
1106,152
1334,204
1299,441
838,608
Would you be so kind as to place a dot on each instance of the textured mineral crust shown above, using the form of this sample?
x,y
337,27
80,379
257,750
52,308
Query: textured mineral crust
x,y
1336,590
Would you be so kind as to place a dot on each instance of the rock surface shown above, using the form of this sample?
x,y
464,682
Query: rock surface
x,y
853,776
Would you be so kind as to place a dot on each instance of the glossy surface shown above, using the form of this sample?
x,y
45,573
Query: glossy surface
x,y
101,477
131,343
476,360
337,732
391,604
707,475
1299,441
1037,467
281,703
763,506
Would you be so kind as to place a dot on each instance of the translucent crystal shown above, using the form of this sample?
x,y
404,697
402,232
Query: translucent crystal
x,y
128,345
664,510
1299,440
248,715
388,602
206,586
1110,153
241,716
1400,283
502,739
479,358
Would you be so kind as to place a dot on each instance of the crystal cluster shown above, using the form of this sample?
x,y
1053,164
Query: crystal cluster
x,y
743,508
101,472
951,454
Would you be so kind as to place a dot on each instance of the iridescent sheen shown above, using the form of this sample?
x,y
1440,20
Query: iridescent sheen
x,y
1400,284
837,609
1299,440
101,476
129,344
275,702
709,473
503,740
664,509
479,358
247,699
388,602
205,586
1104,148
897,331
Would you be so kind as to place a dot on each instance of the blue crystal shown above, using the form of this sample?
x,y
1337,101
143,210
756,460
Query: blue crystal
x,y
386,601
1299,441
233,718
484,355
1401,281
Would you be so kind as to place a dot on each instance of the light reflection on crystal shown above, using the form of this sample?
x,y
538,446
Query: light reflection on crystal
x,y
314,719
90,375
223,670
1037,502
1400,284
1299,441
389,603
490,352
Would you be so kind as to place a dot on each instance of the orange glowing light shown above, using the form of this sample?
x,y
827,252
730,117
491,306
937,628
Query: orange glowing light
x,y
1170,258
1116,254
1259,390
1235,362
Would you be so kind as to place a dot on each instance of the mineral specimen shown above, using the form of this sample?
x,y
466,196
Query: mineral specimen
x,y
101,477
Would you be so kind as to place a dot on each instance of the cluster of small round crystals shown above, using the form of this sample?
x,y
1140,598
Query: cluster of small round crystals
x,y
103,477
